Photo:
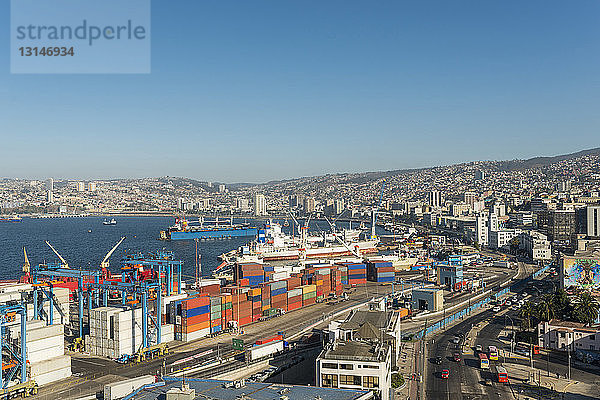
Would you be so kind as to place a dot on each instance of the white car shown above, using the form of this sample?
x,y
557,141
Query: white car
x,y
456,340
496,309
508,303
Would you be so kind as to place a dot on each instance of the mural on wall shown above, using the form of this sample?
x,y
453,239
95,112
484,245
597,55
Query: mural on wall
x,y
582,273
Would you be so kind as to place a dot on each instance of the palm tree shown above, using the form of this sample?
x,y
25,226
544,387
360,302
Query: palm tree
x,y
544,310
526,313
586,309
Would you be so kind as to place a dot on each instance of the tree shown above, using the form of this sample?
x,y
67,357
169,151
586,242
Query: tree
x,y
561,304
526,314
544,310
586,308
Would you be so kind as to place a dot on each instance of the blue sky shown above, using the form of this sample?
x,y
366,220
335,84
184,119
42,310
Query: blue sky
x,y
258,90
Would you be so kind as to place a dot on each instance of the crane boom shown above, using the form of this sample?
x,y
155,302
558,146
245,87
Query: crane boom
x,y
107,256
26,264
65,263
335,235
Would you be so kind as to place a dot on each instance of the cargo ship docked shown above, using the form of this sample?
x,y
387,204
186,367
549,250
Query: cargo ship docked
x,y
184,230
273,245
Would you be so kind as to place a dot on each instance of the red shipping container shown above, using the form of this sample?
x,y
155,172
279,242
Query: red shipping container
x,y
294,306
309,302
195,320
245,321
294,299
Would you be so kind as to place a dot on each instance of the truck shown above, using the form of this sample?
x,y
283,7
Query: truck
x,y
264,350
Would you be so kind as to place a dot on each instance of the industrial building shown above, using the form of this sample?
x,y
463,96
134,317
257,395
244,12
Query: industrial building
x,y
450,274
429,299
568,335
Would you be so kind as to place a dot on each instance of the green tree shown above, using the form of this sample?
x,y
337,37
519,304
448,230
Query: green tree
x,y
526,314
586,308
544,310
561,304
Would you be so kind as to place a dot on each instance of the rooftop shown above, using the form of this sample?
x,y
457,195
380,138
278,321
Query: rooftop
x,y
217,390
354,350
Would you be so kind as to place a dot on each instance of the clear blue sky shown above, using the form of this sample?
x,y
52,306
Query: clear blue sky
x,y
258,90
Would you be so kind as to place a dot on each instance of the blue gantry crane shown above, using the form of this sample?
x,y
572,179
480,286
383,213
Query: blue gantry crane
x,y
14,353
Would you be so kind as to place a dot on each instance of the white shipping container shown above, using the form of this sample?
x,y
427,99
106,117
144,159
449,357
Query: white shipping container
x,y
53,376
121,389
45,354
50,365
263,350
42,344
199,334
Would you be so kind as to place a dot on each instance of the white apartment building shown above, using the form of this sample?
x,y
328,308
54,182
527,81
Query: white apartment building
x,y
498,239
260,205
537,245
481,230
567,335
593,221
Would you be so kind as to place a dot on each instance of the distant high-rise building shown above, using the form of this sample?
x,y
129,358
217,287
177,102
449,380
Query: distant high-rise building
x,y
470,198
563,186
92,186
180,203
80,186
242,204
222,188
479,175
481,230
593,221
50,184
435,198
309,205
260,205
209,184
49,196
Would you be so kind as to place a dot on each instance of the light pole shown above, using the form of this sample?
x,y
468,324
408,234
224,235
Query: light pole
x,y
512,331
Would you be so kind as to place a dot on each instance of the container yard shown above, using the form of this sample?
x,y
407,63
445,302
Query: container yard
x,y
132,316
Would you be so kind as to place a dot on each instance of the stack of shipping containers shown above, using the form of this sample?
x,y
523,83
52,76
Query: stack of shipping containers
x,y
357,273
380,271
216,314
279,295
309,295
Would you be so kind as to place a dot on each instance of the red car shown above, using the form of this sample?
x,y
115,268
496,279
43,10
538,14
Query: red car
x,y
445,374
457,357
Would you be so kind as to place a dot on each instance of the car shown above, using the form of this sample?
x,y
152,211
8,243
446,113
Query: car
x,y
437,360
456,356
496,309
479,348
508,303
456,340
445,374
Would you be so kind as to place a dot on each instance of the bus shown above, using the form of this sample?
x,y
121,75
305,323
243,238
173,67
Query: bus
x,y
483,361
501,374
493,353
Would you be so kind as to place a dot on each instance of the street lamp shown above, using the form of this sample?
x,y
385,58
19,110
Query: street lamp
x,y
512,329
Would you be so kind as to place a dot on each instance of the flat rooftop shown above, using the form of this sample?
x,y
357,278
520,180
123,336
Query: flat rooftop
x,y
353,350
216,390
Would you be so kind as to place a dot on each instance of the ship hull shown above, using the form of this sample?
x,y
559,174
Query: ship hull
x,y
322,252
213,234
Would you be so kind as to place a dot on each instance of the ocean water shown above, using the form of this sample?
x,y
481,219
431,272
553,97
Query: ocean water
x,y
84,242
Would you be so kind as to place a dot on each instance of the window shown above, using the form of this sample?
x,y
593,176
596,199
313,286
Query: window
x,y
350,380
371,366
562,334
329,380
370,381
329,365
347,366
592,337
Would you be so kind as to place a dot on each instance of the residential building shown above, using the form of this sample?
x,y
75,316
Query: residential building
x,y
260,205
537,245
309,205
501,238
568,336
435,198
481,230
80,186
593,221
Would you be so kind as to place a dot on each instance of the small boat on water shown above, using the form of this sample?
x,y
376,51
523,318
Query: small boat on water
x,y
15,218
111,222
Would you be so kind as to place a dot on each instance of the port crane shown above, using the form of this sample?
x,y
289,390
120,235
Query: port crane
x,y
375,210
65,264
26,278
105,264
354,252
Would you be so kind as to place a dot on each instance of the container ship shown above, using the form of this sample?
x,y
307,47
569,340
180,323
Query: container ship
x,y
273,245
184,230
